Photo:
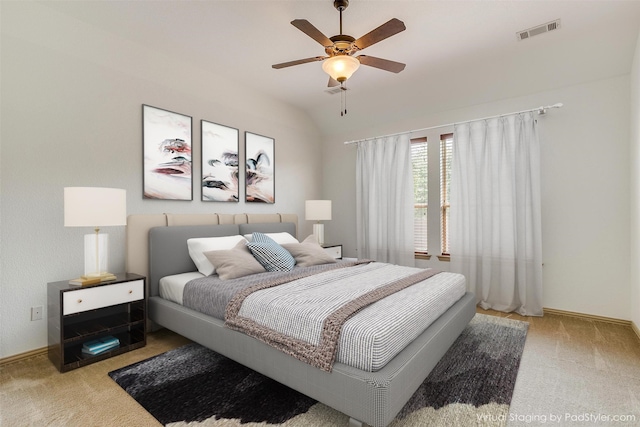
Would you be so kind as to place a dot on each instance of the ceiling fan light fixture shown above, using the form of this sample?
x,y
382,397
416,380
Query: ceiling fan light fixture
x,y
340,67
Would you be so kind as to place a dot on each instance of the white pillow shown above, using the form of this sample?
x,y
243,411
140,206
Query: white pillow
x,y
197,248
279,238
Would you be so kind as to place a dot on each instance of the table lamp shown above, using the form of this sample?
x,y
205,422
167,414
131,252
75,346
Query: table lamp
x,y
318,210
95,207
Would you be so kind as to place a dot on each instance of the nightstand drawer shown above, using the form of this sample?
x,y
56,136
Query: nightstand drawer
x,y
334,251
101,296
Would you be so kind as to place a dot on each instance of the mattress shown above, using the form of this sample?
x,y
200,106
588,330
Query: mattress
x,y
172,287
371,338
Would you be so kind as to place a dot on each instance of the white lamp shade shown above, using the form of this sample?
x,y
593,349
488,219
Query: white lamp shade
x,y
94,207
340,67
317,210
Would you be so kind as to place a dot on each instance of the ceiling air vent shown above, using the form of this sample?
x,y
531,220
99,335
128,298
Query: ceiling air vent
x,y
335,90
540,29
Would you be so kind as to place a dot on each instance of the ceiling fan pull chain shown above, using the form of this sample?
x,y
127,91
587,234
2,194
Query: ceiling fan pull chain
x,y
345,98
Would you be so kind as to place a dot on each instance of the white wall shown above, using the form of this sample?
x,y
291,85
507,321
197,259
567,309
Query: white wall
x,y
71,116
635,188
585,189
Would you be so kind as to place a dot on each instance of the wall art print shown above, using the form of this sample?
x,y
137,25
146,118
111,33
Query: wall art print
x,y
220,180
166,140
259,168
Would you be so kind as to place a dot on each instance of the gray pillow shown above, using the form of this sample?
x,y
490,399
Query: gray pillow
x,y
308,252
235,262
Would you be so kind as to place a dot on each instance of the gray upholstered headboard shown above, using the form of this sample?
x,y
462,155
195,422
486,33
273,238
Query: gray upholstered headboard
x,y
168,252
137,258
138,226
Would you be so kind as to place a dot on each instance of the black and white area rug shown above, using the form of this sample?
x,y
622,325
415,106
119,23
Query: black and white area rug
x,y
191,385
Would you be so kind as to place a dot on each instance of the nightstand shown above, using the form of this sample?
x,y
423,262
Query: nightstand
x,y
78,314
335,251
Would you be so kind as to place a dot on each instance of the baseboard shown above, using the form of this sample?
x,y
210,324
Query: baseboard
x,y
23,356
635,329
629,323
587,316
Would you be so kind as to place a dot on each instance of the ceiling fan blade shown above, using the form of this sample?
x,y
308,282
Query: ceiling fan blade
x,y
388,29
383,64
307,28
298,62
333,82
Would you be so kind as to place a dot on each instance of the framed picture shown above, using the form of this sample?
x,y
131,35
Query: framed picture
x,y
220,180
259,168
166,140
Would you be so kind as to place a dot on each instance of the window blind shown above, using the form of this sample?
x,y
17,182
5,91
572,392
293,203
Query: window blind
x,y
419,160
446,153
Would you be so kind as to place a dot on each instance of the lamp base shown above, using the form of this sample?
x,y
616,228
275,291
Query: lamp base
x,y
102,277
318,231
96,255
92,280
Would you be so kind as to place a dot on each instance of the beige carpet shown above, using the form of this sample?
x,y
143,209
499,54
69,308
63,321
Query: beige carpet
x,y
570,367
577,372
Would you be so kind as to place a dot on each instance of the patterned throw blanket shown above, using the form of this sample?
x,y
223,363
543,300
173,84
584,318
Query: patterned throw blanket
x,y
330,309
210,295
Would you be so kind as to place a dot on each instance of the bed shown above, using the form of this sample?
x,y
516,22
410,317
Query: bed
x,y
156,248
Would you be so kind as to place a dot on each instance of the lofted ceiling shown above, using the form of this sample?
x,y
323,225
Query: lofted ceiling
x,y
458,53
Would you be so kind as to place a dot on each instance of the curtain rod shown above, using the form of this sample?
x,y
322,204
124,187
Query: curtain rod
x,y
541,111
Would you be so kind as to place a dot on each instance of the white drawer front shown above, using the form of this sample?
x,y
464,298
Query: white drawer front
x,y
102,296
334,251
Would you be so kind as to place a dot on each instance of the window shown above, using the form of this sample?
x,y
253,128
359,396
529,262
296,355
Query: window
x,y
419,161
438,177
446,146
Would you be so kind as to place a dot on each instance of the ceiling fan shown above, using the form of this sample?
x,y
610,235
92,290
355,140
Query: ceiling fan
x,y
341,64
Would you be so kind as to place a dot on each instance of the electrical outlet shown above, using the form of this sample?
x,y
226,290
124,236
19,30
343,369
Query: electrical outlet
x,y
36,313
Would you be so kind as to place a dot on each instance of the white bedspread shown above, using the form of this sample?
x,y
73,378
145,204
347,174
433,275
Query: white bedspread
x,y
371,338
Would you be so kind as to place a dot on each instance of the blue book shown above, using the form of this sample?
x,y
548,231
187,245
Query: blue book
x,y
101,343
99,351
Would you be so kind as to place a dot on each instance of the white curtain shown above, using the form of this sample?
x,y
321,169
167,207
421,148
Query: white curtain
x,y
495,234
384,200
